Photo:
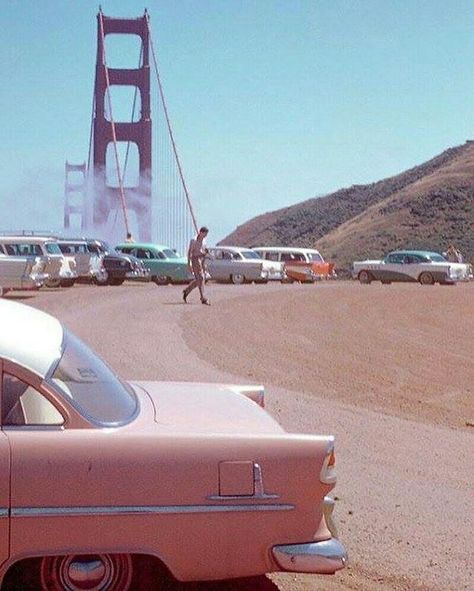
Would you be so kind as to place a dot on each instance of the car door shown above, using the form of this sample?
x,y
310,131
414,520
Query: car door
x,y
12,270
30,424
214,264
395,268
4,487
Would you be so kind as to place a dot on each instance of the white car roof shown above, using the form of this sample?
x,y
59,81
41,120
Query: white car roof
x,y
29,337
231,248
27,239
284,249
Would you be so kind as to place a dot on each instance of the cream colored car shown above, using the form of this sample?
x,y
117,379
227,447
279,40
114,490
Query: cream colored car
x,y
237,265
20,273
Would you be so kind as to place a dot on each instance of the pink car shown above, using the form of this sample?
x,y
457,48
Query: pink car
x,y
102,480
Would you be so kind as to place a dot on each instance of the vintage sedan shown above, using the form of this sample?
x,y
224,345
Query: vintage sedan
x,y
105,484
238,265
165,265
411,265
115,266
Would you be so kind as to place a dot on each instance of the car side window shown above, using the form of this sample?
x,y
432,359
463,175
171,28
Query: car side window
x,y
395,258
23,405
273,256
158,255
292,256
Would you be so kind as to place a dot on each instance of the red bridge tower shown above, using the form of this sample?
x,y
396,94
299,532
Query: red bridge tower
x,y
106,198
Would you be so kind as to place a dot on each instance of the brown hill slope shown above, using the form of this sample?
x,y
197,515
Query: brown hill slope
x,y
428,206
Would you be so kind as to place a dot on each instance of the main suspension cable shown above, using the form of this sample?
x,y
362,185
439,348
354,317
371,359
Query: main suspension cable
x,y
170,130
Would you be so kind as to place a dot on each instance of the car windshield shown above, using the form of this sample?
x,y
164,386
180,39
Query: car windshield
x,y
107,249
250,254
315,257
53,248
170,254
437,258
91,386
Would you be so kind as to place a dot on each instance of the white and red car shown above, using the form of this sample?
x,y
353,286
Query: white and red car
x,y
104,483
412,265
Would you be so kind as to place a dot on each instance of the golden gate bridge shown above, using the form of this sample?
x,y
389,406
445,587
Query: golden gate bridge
x,y
133,180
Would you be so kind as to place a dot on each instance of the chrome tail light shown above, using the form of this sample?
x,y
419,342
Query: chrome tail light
x,y
328,469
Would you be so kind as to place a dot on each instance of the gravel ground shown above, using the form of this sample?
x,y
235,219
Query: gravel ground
x,y
387,369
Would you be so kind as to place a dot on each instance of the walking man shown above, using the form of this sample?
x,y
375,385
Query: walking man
x,y
196,253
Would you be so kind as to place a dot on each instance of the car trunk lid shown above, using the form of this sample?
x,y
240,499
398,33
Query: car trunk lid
x,y
206,408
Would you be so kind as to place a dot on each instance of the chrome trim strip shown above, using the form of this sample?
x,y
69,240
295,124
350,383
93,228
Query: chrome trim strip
x,y
4,512
145,509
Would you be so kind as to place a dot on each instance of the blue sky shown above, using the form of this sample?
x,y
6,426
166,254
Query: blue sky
x,y
272,102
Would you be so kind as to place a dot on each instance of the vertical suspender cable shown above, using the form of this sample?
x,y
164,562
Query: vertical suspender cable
x,y
131,119
114,135
170,130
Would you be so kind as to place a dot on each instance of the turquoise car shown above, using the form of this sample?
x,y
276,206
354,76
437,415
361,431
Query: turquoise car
x,y
166,266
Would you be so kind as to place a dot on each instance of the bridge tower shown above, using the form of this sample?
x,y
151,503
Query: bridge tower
x,y
106,198
75,194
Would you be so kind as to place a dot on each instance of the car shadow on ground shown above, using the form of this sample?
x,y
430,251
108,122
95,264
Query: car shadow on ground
x,y
27,579
247,584
12,296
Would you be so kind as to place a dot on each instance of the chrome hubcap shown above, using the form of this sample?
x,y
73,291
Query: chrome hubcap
x,y
86,573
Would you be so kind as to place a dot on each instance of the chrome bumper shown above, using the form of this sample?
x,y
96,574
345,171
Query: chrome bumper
x,y
325,557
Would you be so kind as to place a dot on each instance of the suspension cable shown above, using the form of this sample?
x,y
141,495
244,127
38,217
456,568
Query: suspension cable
x,y
114,135
168,123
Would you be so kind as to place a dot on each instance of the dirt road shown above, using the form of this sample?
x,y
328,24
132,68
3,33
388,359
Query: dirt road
x,y
388,369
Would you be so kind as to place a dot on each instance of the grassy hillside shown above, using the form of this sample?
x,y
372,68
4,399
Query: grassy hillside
x,y
428,206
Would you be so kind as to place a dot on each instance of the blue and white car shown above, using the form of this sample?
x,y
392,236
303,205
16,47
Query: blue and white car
x,y
412,265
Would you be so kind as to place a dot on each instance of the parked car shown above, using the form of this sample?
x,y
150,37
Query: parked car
x,y
101,479
140,272
61,270
241,265
411,265
88,264
165,264
116,267
21,273
301,264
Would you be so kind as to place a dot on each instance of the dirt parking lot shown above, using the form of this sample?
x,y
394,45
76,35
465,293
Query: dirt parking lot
x,y
388,369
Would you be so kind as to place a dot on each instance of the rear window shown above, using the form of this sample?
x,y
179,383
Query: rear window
x,y
315,257
91,386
